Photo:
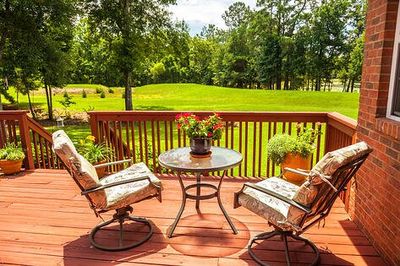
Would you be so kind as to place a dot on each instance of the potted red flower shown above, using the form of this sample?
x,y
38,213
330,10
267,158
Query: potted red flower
x,y
200,132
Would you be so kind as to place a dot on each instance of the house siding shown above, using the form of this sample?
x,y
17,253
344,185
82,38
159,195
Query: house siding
x,y
374,201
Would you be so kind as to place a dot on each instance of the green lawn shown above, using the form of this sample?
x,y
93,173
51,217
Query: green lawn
x,y
202,97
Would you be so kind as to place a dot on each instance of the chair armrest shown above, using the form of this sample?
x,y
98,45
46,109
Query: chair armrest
x,y
296,171
278,196
113,163
122,182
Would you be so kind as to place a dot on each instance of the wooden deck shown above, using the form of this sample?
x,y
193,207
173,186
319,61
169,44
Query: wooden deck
x,y
45,221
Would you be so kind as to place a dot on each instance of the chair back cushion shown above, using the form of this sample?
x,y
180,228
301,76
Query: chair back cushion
x,y
324,171
81,170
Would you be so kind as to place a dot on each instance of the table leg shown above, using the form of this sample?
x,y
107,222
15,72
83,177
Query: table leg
x,y
178,216
198,180
222,207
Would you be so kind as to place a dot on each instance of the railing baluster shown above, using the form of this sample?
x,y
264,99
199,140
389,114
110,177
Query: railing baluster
x,y
260,149
153,146
240,145
141,140
128,143
133,141
254,148
146,148
246,141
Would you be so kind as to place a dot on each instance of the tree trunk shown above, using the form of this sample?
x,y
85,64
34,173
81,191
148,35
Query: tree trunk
x,y
286,83
348,86
30,105
1,102
128,91
318,84
352,85
344,85
49,101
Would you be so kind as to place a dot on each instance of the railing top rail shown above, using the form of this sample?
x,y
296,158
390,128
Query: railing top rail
x,y
344,120
35,126
7,112
227,115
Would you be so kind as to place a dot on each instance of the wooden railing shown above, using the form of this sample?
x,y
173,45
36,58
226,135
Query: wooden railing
x,y
16,127
144,135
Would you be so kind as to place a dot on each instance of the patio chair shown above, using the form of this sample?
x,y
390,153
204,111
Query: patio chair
x,y
290,209
114,192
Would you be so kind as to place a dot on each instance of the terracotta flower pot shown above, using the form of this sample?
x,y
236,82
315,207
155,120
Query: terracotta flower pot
x,y
101,171
295,161
10,167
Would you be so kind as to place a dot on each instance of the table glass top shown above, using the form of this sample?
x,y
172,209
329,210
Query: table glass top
x,y
180,159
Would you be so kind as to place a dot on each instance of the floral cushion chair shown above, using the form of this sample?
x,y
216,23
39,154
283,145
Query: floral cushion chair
x,y
115,192
292,209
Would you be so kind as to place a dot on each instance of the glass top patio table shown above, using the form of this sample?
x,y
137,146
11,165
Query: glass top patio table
x,y
180,160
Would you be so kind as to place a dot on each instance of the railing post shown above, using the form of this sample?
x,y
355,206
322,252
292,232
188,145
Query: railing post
x,y
26,141
94,125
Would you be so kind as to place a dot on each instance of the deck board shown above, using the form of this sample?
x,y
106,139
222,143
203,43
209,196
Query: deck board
x,y
45,221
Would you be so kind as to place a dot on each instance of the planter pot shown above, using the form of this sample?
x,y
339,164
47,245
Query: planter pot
x,y
101,171
200,146
10,167
295,161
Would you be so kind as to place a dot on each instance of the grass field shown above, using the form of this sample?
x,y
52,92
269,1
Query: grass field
x,y
193,97
201,97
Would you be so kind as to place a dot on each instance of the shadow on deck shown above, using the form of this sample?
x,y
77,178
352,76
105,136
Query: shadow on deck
x,y
45,221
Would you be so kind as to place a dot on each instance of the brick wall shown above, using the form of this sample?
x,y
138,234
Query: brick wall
x,y
375,197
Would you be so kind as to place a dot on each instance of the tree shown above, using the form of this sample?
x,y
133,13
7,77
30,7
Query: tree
x,y
326,39
34,42
127,23
236,14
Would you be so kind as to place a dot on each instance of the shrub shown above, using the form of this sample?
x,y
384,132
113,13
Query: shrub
x,y
110,90
93,152
303,144
102,95
84,95
11,152
99,90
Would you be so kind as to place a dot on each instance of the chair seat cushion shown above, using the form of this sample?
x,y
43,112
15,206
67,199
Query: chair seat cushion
x,y
274,210
123,195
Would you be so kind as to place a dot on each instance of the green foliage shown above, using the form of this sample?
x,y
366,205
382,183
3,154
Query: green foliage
x,y
67,100
210,127
99,90
84,95
93,152
11,152
110,90
102,95
303,144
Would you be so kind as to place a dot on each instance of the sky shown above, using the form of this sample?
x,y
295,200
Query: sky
x,y
198,13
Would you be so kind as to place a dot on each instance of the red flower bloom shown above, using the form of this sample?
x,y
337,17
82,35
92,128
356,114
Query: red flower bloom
x,y
210,134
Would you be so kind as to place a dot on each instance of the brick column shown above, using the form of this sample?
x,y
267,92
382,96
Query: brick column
x,y
375,197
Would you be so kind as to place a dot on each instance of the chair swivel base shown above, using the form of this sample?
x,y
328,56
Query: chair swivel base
x,y
284,235
120,216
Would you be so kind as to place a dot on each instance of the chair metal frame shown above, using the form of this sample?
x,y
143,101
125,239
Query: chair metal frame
x,y
121,215
313,214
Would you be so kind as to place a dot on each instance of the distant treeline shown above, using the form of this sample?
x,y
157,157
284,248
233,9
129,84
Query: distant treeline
x,y
281,44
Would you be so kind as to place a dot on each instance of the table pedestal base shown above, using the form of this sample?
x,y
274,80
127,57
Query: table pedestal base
x,y
198,197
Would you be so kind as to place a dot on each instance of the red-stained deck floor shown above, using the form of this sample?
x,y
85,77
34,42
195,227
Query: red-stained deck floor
x,y
45,221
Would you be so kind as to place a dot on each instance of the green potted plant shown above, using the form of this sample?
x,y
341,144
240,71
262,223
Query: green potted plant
x,y
95,153
11,157
200,132
293,151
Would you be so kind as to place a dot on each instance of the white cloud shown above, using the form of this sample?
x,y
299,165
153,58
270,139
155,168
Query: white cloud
x,y
198,13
